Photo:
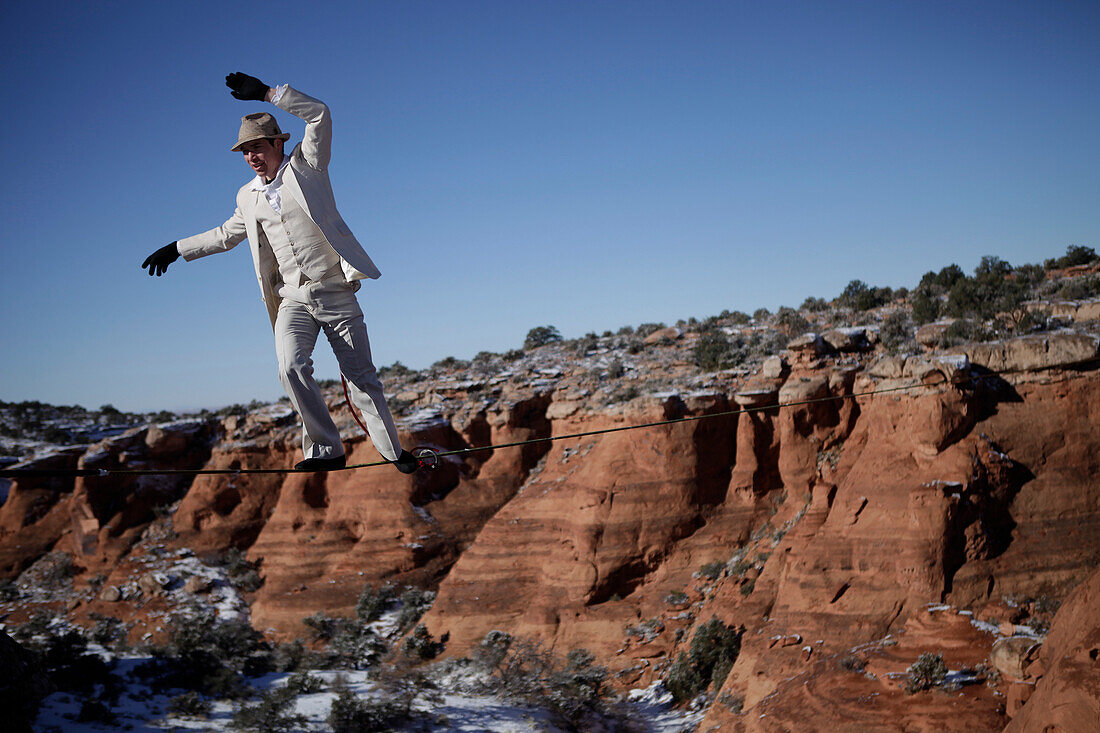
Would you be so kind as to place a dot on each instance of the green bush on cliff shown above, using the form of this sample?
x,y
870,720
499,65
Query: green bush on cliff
x,y
272,713
713,650
372,603
715,351
207,656
573,690
1075,255
414,604
859,296
925,673
541,336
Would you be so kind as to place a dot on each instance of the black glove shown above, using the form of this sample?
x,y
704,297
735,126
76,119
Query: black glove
x,y
246,87
158,261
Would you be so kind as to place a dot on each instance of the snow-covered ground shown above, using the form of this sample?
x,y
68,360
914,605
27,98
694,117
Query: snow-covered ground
x,y
143,709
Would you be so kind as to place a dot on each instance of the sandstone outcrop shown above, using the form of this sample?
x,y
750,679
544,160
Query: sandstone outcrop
x,y
1067,694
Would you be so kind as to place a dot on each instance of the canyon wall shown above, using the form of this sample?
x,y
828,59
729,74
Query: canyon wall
x,y
827,506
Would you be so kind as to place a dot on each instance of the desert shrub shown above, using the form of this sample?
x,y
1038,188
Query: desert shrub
x,y
9,591
54,570
69,666
896,330
190,705
109,632
573,690
942,281
400,682
1080,288
989,292
852,664
354,645
587,343
738,318
1030,275
734,703
791,322
94,711
615,369
63,654
713,650
397,369
647,630
647,329
303,683
295,656
492,650
676,597
322,625
541,336
925,673
206,656
814,305
243,573
925,305
1042,614
1075,255
859,296
626,394
576,693
715,351
350,642
372,603
421,645
351,714
414,604
712,570
272,713
963,331
450,363
35,631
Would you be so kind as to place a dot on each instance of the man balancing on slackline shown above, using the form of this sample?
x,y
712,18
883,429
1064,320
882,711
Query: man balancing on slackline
x,y
309,266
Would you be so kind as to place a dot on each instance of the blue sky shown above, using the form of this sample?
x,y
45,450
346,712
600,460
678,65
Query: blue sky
x,y
585,165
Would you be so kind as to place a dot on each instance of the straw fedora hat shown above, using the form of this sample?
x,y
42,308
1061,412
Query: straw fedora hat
x,y
258,126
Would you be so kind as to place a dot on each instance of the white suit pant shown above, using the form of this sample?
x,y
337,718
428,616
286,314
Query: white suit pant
x,y
296,329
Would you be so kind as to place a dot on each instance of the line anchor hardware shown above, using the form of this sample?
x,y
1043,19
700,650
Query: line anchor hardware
x,y
426,458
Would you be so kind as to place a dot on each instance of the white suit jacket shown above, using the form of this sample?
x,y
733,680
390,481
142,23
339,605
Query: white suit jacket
x,y
306,179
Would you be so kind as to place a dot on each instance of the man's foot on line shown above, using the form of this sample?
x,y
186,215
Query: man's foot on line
x,y
321,464
406,462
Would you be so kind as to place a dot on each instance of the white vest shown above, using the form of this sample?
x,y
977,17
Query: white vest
x,y
299,246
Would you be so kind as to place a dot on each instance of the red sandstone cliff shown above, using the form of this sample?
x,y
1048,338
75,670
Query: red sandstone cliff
x,y
835,523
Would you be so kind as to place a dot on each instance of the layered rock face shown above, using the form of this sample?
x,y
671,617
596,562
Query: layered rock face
x,y
819,507
1067,693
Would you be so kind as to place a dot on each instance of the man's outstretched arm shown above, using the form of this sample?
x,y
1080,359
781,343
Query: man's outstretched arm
x,y
317,141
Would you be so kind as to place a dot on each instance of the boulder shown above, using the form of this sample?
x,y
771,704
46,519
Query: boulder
x,y
929,335
858,338
1012,655
664,335
1032,353
807,347
774,367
